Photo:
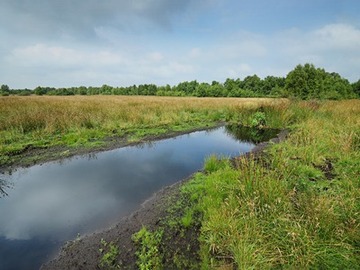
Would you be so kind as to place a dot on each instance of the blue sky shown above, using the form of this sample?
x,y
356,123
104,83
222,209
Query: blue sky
x,y
65,43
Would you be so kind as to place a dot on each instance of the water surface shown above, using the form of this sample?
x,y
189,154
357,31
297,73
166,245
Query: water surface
x,y
49,204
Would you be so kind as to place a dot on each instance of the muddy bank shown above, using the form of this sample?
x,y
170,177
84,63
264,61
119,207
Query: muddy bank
x,y
84,253
32,155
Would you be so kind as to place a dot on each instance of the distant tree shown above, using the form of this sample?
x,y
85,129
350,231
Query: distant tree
x,y
24,92
308,82
188,88
163,90
82,90
93,90
151,89
272,85
335,87
356,88
42,90
216,90
232,86
202,90
106,89
252,83
5,88
147,89
298,81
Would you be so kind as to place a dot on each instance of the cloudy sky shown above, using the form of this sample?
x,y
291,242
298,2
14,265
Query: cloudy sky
x,y
65,43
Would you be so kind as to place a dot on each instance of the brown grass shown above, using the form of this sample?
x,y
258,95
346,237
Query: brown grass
x,y
60,113
49,120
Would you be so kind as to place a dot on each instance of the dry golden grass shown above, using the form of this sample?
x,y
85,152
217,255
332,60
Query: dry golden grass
x,y
61,113
76,120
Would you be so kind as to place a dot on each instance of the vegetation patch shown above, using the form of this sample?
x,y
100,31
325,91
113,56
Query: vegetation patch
x,y
296,207
109,252
149,255
304,82
30,124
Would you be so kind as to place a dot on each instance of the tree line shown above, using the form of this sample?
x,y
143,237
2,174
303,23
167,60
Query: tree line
x,y
304,82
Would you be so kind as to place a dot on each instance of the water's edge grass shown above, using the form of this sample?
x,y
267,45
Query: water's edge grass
x,y
295,207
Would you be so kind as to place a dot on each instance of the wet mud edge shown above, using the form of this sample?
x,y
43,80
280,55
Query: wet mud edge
x,y
84,253
31,155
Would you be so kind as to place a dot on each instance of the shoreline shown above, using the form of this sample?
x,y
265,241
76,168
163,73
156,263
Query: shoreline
x,y
32,156
84,253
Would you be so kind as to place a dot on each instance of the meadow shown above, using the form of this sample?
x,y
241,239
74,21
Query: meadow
x,y
296,207
37,122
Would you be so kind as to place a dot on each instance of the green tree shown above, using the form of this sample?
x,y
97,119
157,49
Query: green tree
x,y
356,88
82,90
252,83
42,90
297,81
232,87
106,89
308,82
272,85
216,90
4,90
202,90
188,88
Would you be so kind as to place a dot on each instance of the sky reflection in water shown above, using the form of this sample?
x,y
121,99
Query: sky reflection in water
x,y
52,203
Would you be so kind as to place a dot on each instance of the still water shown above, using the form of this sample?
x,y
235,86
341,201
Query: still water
x,y
48,204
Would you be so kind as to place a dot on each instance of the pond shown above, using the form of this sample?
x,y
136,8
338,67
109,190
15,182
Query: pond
x,y
43,206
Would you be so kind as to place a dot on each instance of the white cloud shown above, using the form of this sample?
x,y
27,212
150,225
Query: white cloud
x,y
332,46
42,55
242,68
121,58
338,36
195,53
156,56
242,45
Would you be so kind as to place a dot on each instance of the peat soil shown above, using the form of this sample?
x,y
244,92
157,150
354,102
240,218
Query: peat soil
x,y
84,253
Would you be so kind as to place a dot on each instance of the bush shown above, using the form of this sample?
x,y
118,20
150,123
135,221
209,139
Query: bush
x,y
258,120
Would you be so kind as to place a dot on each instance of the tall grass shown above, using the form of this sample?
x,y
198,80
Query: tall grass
x,y
46,121
297,208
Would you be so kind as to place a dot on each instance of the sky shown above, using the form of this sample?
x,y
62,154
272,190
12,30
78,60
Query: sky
x,y
65,43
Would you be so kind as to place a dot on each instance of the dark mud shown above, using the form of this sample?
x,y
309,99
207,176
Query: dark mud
x,y
84,253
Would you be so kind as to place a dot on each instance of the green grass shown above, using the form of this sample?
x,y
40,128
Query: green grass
x,y
87,122
297,207
149,256
109,252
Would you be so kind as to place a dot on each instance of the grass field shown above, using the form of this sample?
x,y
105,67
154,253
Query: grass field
x,y
78,121
296,208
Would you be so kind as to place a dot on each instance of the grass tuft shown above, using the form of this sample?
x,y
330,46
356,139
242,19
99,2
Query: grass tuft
x,y
297,207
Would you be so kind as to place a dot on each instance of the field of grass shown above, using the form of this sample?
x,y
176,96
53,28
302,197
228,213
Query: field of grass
x,y
297,207
82,121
